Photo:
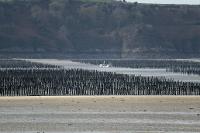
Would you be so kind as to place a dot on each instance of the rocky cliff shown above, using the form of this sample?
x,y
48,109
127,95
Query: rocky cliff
x,y
87,29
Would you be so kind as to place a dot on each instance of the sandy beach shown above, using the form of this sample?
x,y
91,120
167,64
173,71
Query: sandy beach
x,y
100,114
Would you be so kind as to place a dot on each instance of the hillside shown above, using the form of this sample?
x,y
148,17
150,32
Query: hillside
x,y
72,28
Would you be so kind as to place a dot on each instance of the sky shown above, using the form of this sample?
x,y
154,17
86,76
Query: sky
x,y
192,2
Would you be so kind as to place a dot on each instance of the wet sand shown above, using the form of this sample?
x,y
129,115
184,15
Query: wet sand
x,y
103,114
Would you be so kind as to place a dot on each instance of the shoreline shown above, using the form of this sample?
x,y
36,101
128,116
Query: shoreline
x,y
100,114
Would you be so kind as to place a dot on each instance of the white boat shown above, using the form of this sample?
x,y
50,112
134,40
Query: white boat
x,y
104,65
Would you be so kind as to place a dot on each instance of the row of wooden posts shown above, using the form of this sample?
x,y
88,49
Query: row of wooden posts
x,y
60,82
16,63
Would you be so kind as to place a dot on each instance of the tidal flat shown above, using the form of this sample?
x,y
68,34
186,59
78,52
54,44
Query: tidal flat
x,y
100,114
145,72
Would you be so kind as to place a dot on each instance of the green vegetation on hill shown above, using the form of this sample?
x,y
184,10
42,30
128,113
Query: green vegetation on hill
x,y
99,28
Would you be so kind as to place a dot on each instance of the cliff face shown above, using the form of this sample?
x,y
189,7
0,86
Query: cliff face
x,y
69,27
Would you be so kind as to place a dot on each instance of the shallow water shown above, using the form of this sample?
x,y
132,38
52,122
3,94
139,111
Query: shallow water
x,y
67,64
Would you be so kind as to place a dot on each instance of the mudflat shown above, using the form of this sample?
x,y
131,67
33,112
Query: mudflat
x,y
100,114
